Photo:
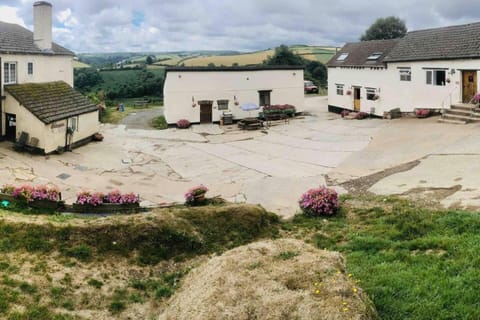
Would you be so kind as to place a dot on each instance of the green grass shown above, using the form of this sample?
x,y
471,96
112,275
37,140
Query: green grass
x,y
414,263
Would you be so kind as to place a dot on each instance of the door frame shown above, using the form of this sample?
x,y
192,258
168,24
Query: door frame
x,y
207,107
356,98
468,98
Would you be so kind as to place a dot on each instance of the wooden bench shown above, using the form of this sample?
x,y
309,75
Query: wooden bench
x,y
272,116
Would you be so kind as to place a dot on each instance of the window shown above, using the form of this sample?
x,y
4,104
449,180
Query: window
x,y
374,56
340,89
405,74
371,94
73,124
10,72
30,68
264,97
436,77
222,104
342,57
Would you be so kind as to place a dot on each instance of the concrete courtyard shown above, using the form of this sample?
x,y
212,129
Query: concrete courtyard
x,y
271,167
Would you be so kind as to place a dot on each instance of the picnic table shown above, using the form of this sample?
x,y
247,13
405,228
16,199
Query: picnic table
x,y
250,124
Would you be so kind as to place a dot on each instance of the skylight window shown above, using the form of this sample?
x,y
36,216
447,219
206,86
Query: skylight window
x,y
342,57
374,56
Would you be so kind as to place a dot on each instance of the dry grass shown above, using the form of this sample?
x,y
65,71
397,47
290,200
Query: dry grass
x,y
282,279
241,59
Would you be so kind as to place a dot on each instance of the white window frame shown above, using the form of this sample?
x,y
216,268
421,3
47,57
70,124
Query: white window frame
x,y
340,90
9,75
30,68
370,93
432,76
405,74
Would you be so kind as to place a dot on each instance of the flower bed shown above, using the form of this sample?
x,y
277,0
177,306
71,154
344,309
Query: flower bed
x,y
422,113
41,196
285,109
112,202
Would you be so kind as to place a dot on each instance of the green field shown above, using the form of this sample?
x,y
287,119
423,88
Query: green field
x,y
78,65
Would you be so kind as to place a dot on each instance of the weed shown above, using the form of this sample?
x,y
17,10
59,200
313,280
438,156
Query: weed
x,y
159,123
117,306
95,283
26,287
287,255
81,252
163,291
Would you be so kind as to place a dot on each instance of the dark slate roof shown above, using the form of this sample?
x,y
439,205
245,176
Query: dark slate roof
x,y
239,68
454,42
358,53
16,39
51,101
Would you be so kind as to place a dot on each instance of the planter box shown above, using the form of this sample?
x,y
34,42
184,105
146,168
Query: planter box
x,y
108,208
38,204
47,204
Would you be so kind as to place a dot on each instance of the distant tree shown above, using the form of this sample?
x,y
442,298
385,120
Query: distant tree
x,y
283,56
385,28
149,60
316,71
235,64
211,65
86,78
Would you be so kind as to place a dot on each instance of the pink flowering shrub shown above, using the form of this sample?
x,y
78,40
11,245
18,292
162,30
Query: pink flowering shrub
x,y
98,198
86,197
29,193
193,193
183,123
422,113
344,113
476,98
319,202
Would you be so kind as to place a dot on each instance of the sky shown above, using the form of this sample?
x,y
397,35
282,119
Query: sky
x,y
242,25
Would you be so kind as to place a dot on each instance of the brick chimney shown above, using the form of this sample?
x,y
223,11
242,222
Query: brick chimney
x,y
42,25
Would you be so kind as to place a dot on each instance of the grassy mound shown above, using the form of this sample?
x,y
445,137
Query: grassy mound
x,y
122,267
281,279
168,233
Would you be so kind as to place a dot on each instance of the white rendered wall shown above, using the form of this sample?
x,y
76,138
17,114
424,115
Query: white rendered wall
x,y
45,68
181,86
406,95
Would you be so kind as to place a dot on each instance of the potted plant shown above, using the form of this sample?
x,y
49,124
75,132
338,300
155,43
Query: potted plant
x,y
196,195
112,202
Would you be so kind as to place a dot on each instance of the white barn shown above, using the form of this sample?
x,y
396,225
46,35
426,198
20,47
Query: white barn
x,y
203,94
427,69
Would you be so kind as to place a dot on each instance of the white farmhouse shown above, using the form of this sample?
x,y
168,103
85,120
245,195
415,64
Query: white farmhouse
x,y
427,69
37,98
203,94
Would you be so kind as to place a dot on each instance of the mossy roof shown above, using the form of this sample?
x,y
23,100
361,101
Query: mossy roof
x,y
51,101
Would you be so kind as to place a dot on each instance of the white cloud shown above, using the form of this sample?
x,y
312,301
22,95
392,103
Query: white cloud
x,y
167,25
10,15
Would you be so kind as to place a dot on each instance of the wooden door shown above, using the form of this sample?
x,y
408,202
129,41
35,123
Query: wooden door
x,y
356,99
469,85
206,113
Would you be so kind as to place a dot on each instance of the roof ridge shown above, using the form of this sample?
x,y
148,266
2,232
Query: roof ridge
x,y
445,27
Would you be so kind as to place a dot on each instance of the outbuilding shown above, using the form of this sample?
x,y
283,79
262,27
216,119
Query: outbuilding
x,y
204,94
